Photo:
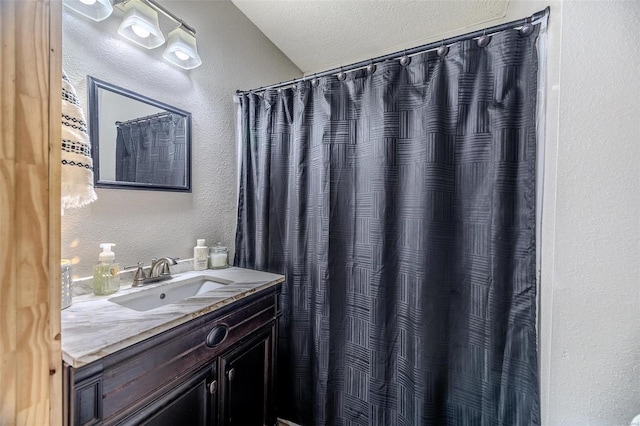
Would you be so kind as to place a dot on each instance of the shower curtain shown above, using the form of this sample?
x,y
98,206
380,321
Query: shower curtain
x,y
151,150
400,205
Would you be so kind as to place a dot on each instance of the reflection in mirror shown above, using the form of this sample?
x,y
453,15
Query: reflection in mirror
x,y
138,142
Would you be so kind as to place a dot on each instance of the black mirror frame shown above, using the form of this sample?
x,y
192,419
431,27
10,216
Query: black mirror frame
x,y
93,85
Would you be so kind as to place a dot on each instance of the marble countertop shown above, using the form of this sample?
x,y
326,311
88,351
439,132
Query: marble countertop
x,y
94,327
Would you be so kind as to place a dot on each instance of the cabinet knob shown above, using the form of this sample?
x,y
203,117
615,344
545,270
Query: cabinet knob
x,y
213,387
231,374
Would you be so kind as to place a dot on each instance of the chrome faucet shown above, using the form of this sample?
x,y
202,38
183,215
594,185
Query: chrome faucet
x,y
159,271
160,267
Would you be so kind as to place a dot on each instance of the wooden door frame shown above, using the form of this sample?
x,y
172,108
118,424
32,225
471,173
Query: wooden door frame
x,y
30,151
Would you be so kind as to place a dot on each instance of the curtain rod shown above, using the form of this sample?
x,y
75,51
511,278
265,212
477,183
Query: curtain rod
x,y
406,52
148,117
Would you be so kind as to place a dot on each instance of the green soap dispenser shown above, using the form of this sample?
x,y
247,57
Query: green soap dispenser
x,y
105,274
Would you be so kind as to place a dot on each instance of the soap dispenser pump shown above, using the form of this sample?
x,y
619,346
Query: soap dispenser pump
x,y
105,274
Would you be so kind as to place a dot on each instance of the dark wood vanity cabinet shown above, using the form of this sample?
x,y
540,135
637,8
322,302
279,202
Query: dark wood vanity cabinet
x,y
217,369
247,382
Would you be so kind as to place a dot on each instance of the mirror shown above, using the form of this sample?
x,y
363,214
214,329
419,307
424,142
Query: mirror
x,y
137,142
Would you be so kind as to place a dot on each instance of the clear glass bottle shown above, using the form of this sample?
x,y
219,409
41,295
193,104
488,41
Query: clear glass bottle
x,y
218,257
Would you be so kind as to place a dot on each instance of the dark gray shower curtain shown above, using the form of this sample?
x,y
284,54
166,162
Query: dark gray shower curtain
x,y
151,150
401,207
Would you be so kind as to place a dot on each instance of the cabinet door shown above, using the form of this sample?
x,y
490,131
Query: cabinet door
x,y
248,374
191,403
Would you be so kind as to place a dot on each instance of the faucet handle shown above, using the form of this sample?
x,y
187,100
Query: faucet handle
x,y
139,276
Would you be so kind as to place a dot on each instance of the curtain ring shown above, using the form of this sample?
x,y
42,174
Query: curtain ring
x,y
314,80
527,28
342,75
484,39
443,50
371,68
405,60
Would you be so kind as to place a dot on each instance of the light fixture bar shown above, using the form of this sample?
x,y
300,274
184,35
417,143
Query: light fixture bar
x,y
140,25
167,13
172,16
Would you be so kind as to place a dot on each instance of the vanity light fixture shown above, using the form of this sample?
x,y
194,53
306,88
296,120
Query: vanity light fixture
x,y
140,25
181,49
96,10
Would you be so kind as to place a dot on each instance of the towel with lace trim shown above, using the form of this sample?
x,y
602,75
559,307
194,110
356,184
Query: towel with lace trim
x,y
77,165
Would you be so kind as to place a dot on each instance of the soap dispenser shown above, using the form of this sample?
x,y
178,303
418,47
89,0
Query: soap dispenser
x,y
105,274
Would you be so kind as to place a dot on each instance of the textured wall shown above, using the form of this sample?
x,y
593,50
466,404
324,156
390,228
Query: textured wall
x,y
146,224
591,269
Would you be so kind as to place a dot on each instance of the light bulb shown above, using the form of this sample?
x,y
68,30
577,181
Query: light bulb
x,y
88,2
140,32
181,55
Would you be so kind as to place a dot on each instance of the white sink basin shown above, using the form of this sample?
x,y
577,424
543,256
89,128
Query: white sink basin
x,y
166,294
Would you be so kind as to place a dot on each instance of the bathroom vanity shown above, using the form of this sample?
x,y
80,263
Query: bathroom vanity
x,y
209,359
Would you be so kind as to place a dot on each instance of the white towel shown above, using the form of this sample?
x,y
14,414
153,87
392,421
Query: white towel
x,y
77,165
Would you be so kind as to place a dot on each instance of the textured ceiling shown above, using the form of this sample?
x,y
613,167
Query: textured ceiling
x,y
321,34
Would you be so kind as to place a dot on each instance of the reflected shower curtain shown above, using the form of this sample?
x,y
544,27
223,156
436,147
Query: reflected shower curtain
x,y
151,150
401,207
